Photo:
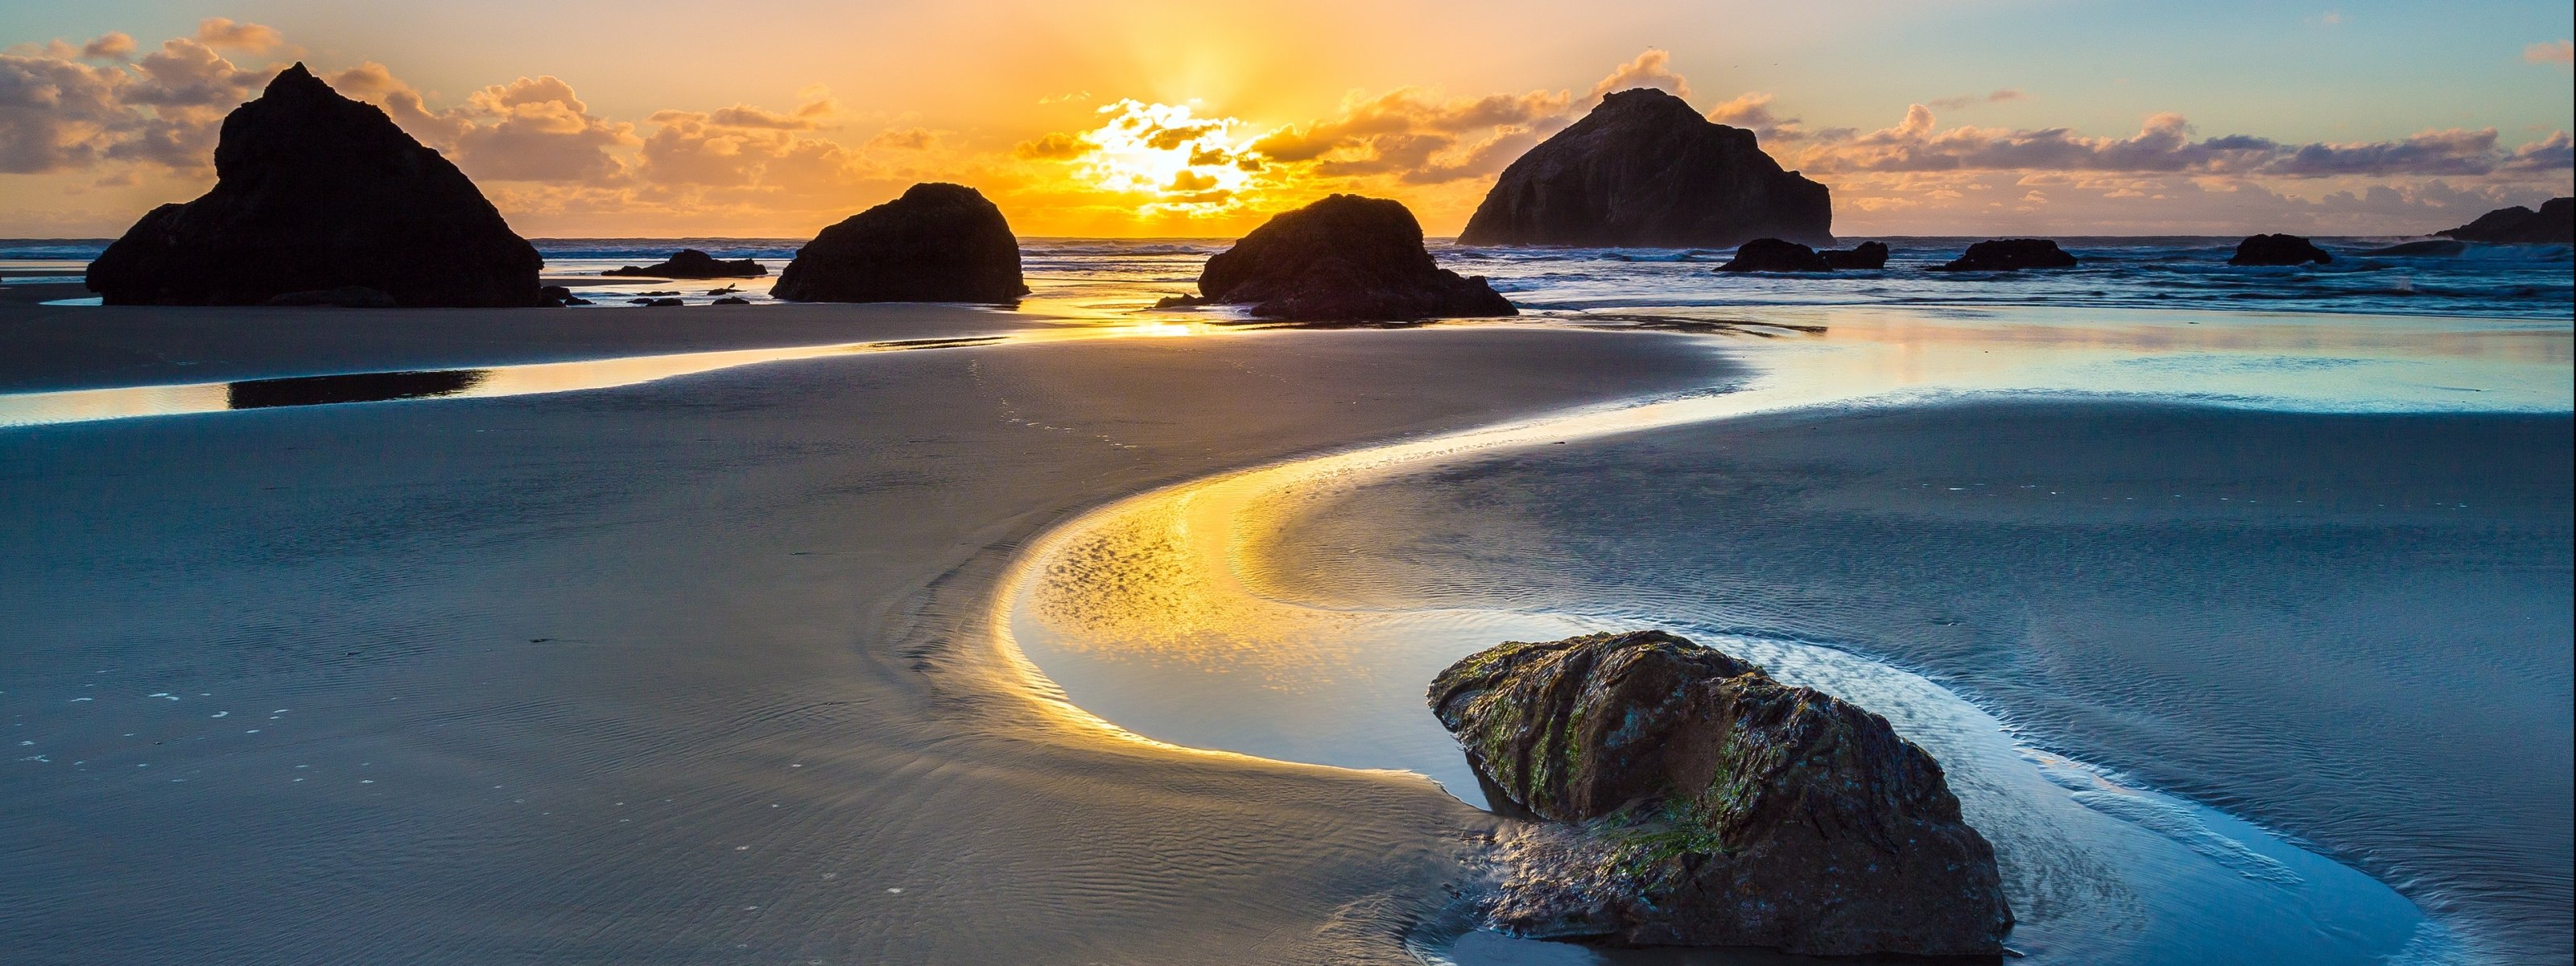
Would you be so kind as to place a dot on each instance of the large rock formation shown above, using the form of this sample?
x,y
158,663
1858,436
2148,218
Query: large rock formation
x,y
1719,807
1342,259
2278,250
315,192
2008,255
938,243
1645,169
2554,222
692,263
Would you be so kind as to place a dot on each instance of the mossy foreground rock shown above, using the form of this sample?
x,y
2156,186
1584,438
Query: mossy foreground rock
x,y
1718,807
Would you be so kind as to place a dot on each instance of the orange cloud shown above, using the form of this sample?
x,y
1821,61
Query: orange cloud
x,y
251,37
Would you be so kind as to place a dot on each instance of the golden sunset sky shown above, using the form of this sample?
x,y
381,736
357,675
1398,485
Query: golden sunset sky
x,y
1201,119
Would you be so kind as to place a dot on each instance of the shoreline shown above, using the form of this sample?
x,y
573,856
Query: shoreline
x,y
983,712
741,589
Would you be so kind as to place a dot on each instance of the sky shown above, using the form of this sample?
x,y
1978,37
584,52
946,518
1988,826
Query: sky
x,y
641,118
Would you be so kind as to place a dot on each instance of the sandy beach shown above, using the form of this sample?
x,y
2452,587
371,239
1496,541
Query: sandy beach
x,y
690,671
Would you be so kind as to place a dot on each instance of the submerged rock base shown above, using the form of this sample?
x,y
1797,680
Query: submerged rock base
x,y
1706,804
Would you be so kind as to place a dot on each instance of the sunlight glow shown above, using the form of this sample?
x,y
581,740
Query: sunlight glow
x,y
1177,161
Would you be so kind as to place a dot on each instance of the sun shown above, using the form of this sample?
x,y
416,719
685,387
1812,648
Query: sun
x,y
1176,160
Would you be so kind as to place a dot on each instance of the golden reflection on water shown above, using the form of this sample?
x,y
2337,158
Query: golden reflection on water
x,y
1179,576
87,405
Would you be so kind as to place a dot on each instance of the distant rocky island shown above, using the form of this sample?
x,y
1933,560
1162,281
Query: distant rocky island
x,y
321,200
1706,804
939,242
2555,222
692,263
1344,258
1645,169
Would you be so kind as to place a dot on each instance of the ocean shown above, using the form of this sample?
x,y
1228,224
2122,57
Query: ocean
x,y
2493,281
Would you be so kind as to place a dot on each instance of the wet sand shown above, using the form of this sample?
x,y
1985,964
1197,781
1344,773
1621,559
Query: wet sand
x,y
2350,628
699,670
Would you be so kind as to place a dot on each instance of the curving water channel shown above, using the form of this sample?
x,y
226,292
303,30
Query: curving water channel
x,y
1171,615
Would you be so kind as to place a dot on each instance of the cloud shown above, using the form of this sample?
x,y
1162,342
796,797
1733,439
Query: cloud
x,y
1426,137
1752,111
808,116
905,139
1971,100
56,114
186,73
59,114
1652,68
2164,143
1052,147
112,45
249,37
2560,52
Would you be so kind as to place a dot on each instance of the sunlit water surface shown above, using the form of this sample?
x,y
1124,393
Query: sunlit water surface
x,y
1166,614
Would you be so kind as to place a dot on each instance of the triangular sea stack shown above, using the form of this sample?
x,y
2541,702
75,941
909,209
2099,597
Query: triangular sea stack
x,y
1645,169
314,191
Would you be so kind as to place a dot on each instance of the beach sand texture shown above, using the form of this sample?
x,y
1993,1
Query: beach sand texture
x,y
690,671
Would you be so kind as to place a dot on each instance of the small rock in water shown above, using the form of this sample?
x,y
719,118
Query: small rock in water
x,y
1774,255
1714,806
1866,255
2009,255
692,263
2278,250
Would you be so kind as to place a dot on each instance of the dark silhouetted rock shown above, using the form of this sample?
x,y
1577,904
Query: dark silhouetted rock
x,y
2555,222
2008,256
2278,250
1717,806
1645,169
1342,259
2439,248
1866,255
727,290
559,295
663,303
937,243
731,300
346,296
692,263
1774,255
313,192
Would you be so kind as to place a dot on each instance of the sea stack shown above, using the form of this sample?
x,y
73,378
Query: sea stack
x,y
2278,250
1342,259
1645,169
2008,255
692,263
1717,807
938,243
314,193
2555,222
1774,255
